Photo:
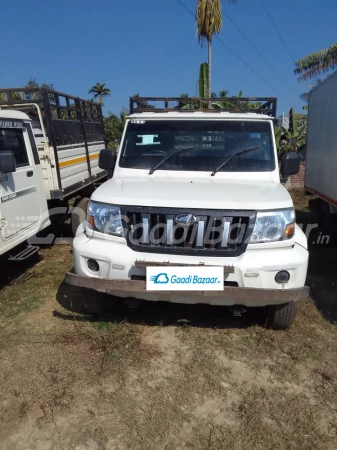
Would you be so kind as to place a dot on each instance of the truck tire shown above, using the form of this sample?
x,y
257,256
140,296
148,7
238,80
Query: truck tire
x,y
281,317
79,215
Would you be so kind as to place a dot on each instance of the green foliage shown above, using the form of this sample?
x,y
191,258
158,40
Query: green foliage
x,y
294,139
30,95
142,104
114,126
229,103
187,102
99,91
203,80
317,63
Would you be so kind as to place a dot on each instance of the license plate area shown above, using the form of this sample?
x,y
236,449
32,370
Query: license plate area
x,y
184,278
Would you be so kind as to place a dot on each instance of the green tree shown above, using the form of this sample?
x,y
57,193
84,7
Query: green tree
x,y
294,139
99,91
114,126
33,83
208,23
317,63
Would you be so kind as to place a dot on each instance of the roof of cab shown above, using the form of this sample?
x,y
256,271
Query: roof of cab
x,y
199,115
11,114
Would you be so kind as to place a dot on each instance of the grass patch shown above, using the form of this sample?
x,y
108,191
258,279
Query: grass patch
x,y
164,376
101,325
25,305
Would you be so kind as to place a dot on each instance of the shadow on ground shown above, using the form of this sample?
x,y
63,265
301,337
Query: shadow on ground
x,y
13,270
322,270
152,313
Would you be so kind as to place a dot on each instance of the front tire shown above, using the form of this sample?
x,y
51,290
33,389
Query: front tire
x,y
281,317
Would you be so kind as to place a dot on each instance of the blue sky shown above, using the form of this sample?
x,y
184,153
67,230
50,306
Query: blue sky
x,y
150,46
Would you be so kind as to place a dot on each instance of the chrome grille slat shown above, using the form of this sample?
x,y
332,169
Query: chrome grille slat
x,y
200,233
169,230
225,231
222,228
146,229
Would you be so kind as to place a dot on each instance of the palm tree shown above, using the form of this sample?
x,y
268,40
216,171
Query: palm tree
x,y
99,90
208,22
317,63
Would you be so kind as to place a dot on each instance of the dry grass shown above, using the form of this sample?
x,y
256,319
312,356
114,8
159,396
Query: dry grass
x,y
164,376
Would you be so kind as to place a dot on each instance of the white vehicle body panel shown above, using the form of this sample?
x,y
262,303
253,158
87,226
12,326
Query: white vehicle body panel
x,y
187,192
23,205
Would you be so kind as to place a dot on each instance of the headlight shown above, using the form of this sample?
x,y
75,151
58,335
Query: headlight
x,y
105,218
273,226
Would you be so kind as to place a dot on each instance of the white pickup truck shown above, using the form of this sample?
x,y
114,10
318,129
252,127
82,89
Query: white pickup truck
x,y
197,189
49,149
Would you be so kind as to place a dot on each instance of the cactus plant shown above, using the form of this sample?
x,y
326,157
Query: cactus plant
x,y
203,80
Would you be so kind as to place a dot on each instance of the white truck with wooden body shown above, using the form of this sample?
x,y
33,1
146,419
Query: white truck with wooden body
x,y
195,199
49,148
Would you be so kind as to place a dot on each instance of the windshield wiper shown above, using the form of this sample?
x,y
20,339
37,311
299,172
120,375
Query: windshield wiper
x,y
242,152
169,156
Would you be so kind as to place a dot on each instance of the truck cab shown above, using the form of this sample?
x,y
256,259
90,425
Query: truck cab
x,y
49,149
196,189
23,202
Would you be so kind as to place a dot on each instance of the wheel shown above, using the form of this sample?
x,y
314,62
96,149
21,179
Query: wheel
x,y
79,215
280,317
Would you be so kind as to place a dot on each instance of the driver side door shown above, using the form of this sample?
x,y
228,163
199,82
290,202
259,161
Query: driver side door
x,y
19,196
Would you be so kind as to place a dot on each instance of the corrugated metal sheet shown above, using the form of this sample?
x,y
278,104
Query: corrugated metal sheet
x,y
321,160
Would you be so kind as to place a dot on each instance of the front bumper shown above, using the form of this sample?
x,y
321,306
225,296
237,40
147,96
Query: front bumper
x,y
254,273
229,296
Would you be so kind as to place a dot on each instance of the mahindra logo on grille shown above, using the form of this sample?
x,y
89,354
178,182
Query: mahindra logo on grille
x,y
185,219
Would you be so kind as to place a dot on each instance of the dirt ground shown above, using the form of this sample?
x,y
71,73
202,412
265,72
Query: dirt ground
x,y
164,376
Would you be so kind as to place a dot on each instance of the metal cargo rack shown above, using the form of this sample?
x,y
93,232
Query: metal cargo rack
x,y
69,122
258,105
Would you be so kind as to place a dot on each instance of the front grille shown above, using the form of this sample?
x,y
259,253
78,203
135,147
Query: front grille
x,y
217,233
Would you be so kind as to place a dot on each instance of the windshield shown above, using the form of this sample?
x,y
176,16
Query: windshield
x,y
148,142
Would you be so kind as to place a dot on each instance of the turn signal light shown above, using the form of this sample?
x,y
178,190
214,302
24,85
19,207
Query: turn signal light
x,y
289,231
91,220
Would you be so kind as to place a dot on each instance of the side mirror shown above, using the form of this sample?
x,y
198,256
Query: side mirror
x,y
290,164
7,162
107,159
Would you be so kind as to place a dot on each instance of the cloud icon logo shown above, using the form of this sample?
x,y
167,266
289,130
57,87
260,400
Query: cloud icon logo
x,y
161,278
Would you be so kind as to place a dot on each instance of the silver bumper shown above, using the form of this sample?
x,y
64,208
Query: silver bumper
x,y
229,296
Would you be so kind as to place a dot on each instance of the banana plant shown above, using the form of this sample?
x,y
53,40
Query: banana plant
x,y
294,139
298,127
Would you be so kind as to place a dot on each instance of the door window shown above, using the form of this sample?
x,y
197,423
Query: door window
x,y
13,140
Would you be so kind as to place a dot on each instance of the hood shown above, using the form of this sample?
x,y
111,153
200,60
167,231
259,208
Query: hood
x,y
183,193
